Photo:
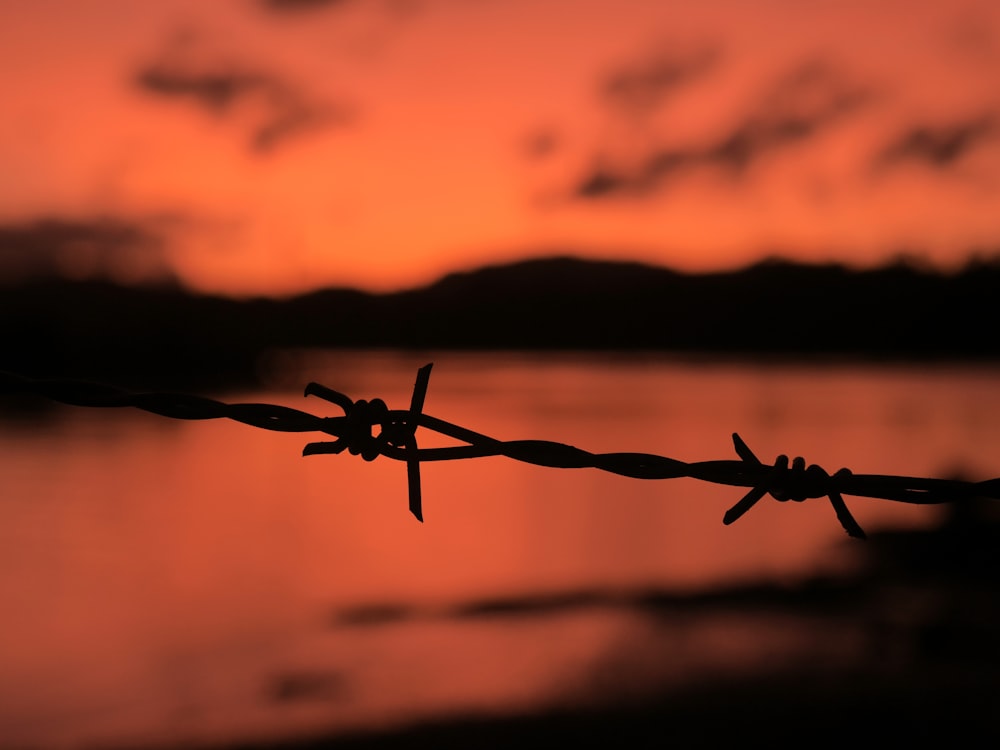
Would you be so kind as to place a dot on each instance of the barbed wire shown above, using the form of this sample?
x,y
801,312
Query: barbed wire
x,y
396,439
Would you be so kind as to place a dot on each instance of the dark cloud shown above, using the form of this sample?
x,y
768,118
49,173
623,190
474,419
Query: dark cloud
x,y
639,87
279,110
96,248
217,90
605,181
801,105
796,108
302,5
939,147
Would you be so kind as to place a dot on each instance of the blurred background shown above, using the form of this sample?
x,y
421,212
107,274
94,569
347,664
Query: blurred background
x,y
626,226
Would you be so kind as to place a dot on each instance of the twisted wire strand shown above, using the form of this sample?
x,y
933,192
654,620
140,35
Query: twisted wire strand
x,y
396,439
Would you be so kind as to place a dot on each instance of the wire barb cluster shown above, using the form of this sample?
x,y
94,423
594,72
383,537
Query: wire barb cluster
x,y
396,439
797,483
398,434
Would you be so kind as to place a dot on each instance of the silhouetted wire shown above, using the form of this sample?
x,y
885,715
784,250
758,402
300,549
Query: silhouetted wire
x,y
396,439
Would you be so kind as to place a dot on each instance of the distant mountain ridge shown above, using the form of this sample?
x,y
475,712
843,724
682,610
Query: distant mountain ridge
x,y
773,308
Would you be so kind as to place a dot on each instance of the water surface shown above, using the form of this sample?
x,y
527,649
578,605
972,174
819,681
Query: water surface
x,y
179,582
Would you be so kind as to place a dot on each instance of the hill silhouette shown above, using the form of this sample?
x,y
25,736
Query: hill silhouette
x,y
156,336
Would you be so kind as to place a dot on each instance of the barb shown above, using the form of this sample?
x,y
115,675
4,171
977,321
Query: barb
x,y
396,439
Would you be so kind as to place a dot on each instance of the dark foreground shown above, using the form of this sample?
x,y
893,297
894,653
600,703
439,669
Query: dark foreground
x,y
805,710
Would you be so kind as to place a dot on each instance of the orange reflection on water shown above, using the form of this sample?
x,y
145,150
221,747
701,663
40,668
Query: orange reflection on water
x,y
195,581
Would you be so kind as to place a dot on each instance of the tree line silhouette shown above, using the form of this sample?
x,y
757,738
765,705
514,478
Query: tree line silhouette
x,y
776,308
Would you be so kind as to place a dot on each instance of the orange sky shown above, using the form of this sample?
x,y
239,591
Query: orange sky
x,y
271,146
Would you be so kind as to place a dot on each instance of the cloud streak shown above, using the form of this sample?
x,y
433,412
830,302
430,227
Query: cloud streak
x,y
290,8
278,109
295,6
800,106
940,147
637,88
216,90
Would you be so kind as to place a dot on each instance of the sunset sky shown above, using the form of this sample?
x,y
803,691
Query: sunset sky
x,y
274,146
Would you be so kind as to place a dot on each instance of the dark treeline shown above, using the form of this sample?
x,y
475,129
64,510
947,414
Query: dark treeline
x,y
157,337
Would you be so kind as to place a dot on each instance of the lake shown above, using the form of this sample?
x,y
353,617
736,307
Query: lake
x,y
183,583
